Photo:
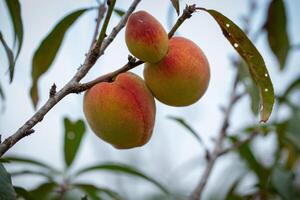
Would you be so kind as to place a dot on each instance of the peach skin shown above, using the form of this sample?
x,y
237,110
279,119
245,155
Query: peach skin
x,y
145,37
181,77
121,113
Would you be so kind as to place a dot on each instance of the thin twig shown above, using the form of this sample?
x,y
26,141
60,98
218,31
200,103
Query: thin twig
x,y
74,86
218,145
238,144
100,15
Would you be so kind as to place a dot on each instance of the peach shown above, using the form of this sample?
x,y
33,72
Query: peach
x,y
181,77
145,37
121,113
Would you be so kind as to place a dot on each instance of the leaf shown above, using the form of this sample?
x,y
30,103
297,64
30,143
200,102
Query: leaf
x,y
175,4
31,172
252,57
7,191
250,87
119,12
24,160
21,192
122,168
188,127
2,96
10,57
282,180
74,132
246,154
293,129
14,9
43,190
231,194
92,191
46,52
293,86
276,27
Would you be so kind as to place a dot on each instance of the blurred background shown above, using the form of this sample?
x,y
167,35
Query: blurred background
x,y
172,157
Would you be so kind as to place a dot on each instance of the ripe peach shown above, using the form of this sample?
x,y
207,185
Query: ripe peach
x,y
121,113
145,37
181,77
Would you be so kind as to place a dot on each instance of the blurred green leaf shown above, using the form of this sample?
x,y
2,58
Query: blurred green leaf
x,y
10,57
21,192
124,169
250,87
119,12
295,84
93,191
14,9
182,122
7,191
74,132
246,154
231,195
43,191
31,172
276,26
175,4
282,181
293,129
2,96
46,52
24,160
252,57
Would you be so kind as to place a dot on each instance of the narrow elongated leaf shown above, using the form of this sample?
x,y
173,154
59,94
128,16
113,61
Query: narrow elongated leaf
x,y
23,160
119,12
282,181
188,127
7,191
14,9
124,169
276,26
231,194
10,56
293,86
2,95
252,57
175,4
94,191
46,52
74,132
21,192
31,172
44,190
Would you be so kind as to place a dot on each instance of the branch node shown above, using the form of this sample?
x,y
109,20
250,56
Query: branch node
x,y
131,59
52,91
29,132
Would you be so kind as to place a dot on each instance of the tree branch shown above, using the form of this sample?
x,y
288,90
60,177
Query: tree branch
x,y
90,60
74,86
196,194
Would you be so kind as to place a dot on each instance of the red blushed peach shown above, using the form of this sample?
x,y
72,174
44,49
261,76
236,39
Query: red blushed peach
x,y
145,37
121,113
181,77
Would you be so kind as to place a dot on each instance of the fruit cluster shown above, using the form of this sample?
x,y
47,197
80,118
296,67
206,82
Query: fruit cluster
x,y
176,73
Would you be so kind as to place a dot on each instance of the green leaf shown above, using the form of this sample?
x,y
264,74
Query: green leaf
x,y
175,4
74,132
7,191
250,87
119,12
282,180
44,190
46,52
276,26
231,194
124,169
188,127
24,160
2,96
14,9
21,192
10,57
295,84
31,172
252,57
93,191
293,129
